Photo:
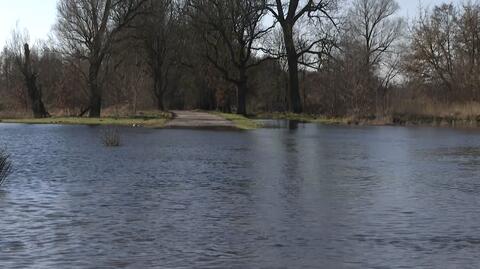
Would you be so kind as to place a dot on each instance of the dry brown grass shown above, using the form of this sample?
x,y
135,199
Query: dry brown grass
x,y
429,108
8,114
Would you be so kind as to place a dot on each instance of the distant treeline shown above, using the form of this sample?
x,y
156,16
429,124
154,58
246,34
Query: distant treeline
x,y
356,58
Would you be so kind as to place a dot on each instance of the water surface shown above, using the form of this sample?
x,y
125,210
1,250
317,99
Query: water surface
x,y
312,197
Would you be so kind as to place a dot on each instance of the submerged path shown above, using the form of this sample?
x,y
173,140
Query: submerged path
x,y
198,120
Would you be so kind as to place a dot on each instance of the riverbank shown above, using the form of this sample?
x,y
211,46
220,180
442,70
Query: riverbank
x,y
188,119
436,121
153,119
143,119
218,120
151,123
394,120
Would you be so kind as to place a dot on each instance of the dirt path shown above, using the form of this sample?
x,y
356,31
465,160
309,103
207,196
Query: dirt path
x,y
198,120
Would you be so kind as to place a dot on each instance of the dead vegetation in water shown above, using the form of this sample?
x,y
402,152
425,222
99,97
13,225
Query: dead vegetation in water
x,y
111,137
5,166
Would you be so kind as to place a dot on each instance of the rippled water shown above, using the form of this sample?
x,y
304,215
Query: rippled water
x,y
314,197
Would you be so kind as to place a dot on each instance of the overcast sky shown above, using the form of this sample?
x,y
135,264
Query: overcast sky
x,y
38,16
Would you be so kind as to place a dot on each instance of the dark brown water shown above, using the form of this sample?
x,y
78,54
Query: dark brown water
x,y
314,197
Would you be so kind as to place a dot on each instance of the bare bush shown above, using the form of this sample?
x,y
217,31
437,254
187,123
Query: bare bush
x,y
5,166
111,137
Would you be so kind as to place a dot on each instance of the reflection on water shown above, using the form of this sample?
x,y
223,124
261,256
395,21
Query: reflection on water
x,y
317,197
281,124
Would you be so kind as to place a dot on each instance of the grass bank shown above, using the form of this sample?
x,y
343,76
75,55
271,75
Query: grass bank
x,y
241,122
150,120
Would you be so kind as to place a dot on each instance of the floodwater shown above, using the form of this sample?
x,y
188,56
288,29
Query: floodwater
x,y
311,197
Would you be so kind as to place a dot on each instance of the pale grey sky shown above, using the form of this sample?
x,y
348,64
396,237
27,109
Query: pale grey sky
x,y
38,16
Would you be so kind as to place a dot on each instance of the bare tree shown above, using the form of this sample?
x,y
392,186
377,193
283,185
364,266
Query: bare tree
x,y
87,30
231,29
467,50
20,50
12,84
432,57
158,33
373,25
288,14
446,52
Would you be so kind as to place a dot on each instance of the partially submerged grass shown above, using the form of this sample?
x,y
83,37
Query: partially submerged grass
x,y
245,123
305,118
395,119
436,121
140,121
241,122
425,107
5,166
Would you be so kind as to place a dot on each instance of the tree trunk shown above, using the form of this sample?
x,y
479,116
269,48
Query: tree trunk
x,y
34,93
160,105
38,108
95,105
95,91
158,90
242,94
293,95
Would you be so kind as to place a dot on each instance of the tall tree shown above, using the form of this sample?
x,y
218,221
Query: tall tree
x,y
468,49
231,29
373,25
159,37
433,45
22,53
288,14
446,51
87,29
